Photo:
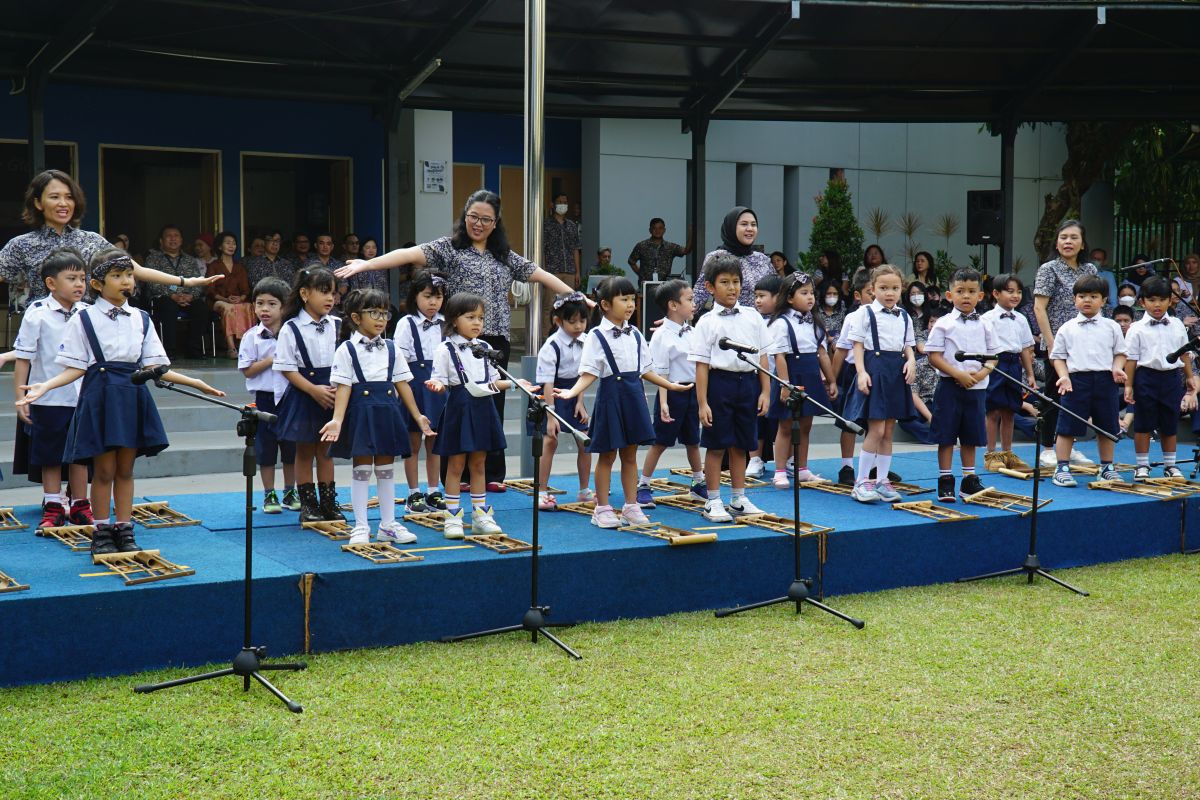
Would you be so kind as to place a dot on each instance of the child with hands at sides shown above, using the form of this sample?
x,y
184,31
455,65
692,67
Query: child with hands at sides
x,y
731,393
469,426
844,369
766,303
1014,338
115,420
617,355
418,337
304,354
802,359
558,368
885,367
369,426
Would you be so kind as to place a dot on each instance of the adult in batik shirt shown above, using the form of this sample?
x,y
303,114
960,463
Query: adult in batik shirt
x,y
270,264
171,303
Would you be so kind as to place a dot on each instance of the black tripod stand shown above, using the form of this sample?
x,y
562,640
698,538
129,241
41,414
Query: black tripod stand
x,y
248,662
1032,564
534,620
798,591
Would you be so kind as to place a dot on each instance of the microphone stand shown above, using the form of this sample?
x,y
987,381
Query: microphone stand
x,y
798,591
1032,564
534,619
248,662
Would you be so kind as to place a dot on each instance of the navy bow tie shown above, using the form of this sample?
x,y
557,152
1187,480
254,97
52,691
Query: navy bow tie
x,y
266,334
1091,321
116,311
804,318
575,343
429,323
895,312
67,312
1008,315
372,344
618,331
320,326
728,312
1163,321
684,329
464,346
972,317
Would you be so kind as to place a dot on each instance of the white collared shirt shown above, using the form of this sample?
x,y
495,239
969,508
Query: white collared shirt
x,y
373,362
126,338
849,325
1088,345
565,361
476,368
320,345
895,332
41,333
431,337
1011,330
953,333
671,349
1149,345
629,350
745,327
805,333
259,343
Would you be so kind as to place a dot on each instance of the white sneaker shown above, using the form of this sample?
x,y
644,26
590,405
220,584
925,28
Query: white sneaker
x,y
754,469
742,506
781,480
483,523
360,535
864,492
605,517
586,496
1141,473
714,511
1064,479
1048,459
1080,460
632,514
395,533
452,527
805,475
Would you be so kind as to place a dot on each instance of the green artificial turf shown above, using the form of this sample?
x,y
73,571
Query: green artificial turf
x,y
986,690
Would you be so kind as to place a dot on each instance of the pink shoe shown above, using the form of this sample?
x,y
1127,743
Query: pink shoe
x,y
546,502
632,514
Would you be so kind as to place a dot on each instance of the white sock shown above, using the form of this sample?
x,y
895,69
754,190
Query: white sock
x,y
1143,459
847,462
360,488
643,480
698,477
882,463
51,498
385,487
865,462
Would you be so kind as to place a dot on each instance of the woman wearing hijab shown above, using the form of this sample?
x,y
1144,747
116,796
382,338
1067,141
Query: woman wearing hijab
x,y
738,232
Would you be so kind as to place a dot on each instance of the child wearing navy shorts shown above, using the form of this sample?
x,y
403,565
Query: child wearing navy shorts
x,y
617,355
369,425
558,368
732,394
256,356
470,426
1154,385
766,303
47,420
304,355
802,359
886,367
1014,338
116,420
959,402
1089,358
678,417
844,369
418,337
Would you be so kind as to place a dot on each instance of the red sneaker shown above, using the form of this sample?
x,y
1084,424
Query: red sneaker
x,y
53,516
495,487
81,513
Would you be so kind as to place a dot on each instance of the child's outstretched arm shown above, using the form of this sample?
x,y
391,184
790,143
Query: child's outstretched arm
x,y
331,430
8,358
585,380
171,376
36,390
660,381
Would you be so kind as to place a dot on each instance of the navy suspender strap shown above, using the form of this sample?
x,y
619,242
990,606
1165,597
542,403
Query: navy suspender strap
x,y
637,337
300,346
608,354
458,365
358,373
557,358
875,329
412,324
94,341
792,338
391,348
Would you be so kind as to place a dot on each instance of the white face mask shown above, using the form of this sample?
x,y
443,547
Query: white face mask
x,y
831,300
560,209
917,300
1126,300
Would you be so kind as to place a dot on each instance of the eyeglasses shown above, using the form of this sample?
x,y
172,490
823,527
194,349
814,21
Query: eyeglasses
x,y
378,314
485,221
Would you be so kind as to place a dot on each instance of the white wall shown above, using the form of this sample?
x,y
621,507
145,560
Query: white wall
x,y
432,140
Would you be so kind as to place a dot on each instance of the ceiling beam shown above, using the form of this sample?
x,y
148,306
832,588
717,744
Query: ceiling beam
x,y
80,27
1074,37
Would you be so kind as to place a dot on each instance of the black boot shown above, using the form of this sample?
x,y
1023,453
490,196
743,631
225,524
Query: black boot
x,y
310,510
102,540
122,534
329,505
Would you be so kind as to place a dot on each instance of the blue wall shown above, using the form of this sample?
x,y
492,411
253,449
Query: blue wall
x,y
499,139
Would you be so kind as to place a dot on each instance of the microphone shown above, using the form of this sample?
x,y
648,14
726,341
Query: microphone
x,y
147,374
1147,263
725,343
960,357
1189,347
482,350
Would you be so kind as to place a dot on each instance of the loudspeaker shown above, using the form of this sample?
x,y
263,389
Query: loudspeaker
x,y
985,217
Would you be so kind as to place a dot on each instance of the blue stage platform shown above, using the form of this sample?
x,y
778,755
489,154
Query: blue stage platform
x,y
75,621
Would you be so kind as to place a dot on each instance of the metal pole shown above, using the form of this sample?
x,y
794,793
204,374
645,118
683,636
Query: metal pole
x,y
35,95
535,87
1008,138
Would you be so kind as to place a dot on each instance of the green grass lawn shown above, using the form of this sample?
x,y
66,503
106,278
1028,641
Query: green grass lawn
x,y
986,690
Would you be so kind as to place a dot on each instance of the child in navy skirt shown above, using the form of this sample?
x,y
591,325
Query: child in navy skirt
x,y
469,427
115,421
802,359
768,304
883,357
369,425
304,354
558,368
1005,399
418,337
617,355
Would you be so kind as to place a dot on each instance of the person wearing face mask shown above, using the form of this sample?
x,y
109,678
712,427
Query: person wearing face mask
x,y
1127,297
914,303
832,308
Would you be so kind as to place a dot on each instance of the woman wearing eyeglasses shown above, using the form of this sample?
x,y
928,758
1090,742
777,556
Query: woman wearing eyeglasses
x,y
475,258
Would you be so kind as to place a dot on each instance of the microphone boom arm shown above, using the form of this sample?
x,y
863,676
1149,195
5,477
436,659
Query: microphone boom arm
x,y
853,427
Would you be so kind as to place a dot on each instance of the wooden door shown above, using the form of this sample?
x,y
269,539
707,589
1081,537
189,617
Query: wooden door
x,y
466,179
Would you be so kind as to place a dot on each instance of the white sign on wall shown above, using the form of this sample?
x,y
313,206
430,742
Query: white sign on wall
x,y
434,173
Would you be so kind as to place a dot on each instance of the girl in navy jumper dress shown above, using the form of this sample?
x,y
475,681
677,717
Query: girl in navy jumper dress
x,y
882,392
369,425
304,354
418,336
470,425
115,421
802,359
616,353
